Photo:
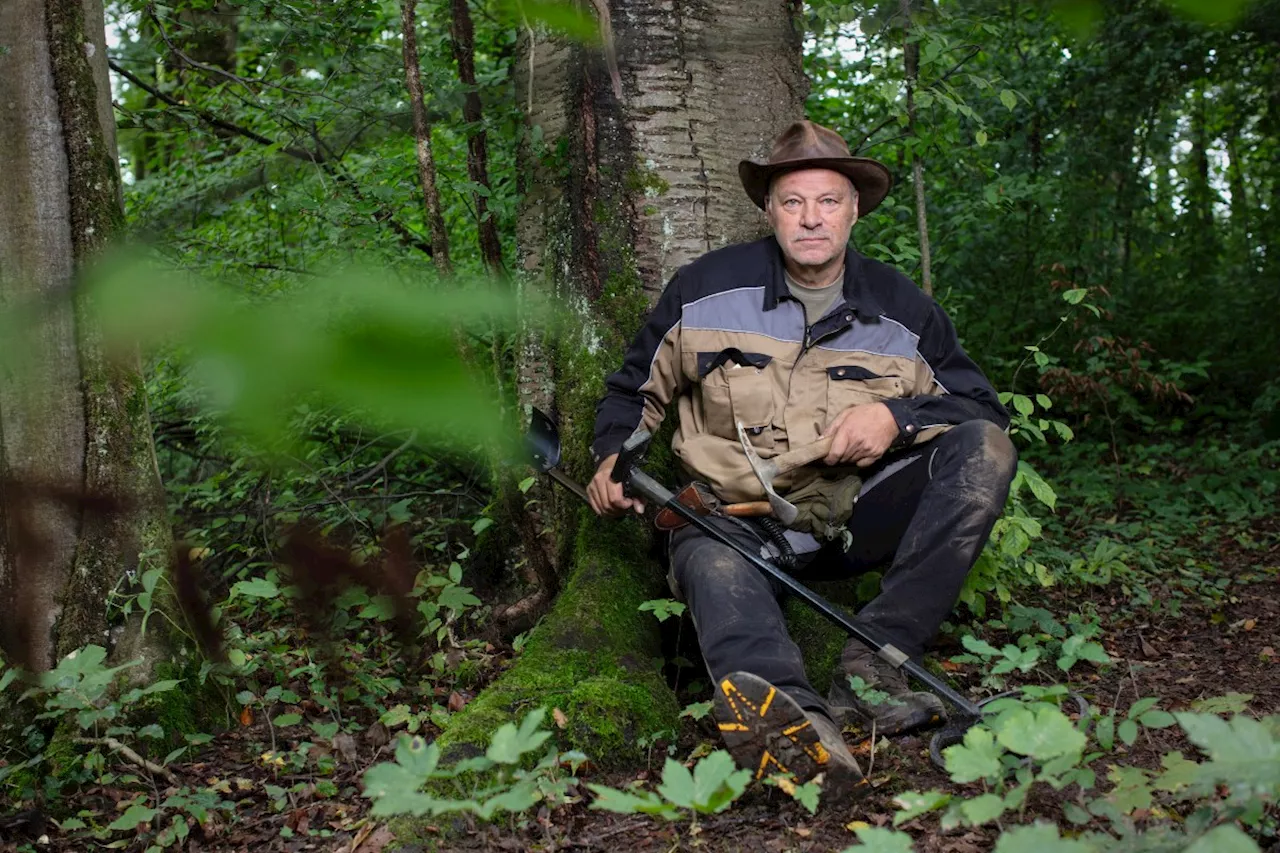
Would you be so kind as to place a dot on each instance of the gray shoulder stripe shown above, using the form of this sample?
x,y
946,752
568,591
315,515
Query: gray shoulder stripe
x,y
888,339
739,310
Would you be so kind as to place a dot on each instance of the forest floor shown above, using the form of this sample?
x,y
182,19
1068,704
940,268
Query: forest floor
x,y
1206,629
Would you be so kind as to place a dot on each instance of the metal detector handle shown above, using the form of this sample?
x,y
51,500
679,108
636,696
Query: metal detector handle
x,y
630,458
650,489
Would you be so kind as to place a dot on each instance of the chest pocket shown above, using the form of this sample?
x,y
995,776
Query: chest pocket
x,y
852,385
736,387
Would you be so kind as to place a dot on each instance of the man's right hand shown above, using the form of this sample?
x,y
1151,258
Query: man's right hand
x,y
606,496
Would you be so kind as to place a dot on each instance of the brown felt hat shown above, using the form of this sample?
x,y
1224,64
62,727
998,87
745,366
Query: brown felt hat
x,y
805,145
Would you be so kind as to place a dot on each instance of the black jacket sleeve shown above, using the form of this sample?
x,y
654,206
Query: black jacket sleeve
x,y
650,377
966,393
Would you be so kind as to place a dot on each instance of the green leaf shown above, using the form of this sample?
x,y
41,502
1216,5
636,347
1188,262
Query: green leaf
x,y
697,710
1140,707
1040,838
1229,703
912,804
717,782
981,137
1022,403
1223,839
1075,296
1157,719
977,757
1106,731
623,802
286,720
677,784
1127,731
132,818
1008,98
481,525
1040,731
874,839
1042,490
509,743
256,588
982,809
526,484
979,647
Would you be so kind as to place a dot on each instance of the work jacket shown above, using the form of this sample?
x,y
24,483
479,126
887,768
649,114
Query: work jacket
x,y
728,343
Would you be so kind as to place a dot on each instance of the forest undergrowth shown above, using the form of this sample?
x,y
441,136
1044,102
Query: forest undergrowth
x,y
315,734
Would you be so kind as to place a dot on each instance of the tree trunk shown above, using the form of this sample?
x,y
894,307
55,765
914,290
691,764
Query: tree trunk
x,y
650,184
464,50
72,420
422,139
911,60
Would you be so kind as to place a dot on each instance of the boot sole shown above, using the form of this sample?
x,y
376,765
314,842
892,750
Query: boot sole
x,y
767,733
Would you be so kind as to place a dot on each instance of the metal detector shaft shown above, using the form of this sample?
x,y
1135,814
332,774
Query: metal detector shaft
x,y
650,489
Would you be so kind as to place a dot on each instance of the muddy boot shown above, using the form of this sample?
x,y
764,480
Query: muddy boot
x,y
885,700
766,732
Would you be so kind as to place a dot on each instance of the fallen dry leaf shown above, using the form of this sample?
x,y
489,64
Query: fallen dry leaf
x,y
374,843
456,702
559,717
246,716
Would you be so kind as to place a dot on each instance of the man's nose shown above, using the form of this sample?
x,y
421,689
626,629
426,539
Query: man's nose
x,y
811,215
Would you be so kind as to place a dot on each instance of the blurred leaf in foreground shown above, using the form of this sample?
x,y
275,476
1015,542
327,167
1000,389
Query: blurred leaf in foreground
x,y
360,339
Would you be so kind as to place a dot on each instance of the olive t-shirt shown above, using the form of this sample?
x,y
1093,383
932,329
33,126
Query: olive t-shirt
x,y
817,301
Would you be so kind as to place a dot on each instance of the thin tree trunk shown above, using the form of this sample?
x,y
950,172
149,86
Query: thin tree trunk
x,y
477,147
911,57
422,138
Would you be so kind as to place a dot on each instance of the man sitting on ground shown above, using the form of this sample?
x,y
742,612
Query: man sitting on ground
x,y
789,340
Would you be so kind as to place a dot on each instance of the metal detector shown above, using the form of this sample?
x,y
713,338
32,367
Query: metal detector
x,y
543,441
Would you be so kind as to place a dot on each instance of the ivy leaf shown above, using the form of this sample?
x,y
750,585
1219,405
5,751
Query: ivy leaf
x,y
1075,296
1041,732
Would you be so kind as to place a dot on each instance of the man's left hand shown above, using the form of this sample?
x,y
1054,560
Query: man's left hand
x,y
861,434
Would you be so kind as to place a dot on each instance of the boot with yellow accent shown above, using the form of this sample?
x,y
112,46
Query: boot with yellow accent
x,y
768,733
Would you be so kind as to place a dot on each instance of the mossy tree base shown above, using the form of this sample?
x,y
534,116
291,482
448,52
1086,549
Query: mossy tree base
x,y
596,657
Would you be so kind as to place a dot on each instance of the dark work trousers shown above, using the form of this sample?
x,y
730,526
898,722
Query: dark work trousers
x,y
923,519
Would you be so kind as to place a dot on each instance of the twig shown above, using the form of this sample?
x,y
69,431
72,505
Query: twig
x,y
373,472
128,754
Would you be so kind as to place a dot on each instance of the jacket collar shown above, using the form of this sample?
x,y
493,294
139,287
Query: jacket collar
x,y
856,293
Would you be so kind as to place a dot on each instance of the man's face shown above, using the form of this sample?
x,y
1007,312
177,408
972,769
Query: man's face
x,y
812,212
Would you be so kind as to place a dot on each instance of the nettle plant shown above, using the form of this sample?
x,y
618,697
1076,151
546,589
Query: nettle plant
x,y
1030,743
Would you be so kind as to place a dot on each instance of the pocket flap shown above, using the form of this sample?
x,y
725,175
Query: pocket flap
x,y
709,361
853,371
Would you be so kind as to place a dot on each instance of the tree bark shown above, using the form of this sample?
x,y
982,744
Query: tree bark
x,y
73,421
650,184
477,144
911,58
422,139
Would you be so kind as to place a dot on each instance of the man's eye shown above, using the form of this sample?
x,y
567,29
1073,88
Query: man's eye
x,y
829,202
791,203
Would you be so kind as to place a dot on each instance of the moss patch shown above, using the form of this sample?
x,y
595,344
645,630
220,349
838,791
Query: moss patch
x,y
596,657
